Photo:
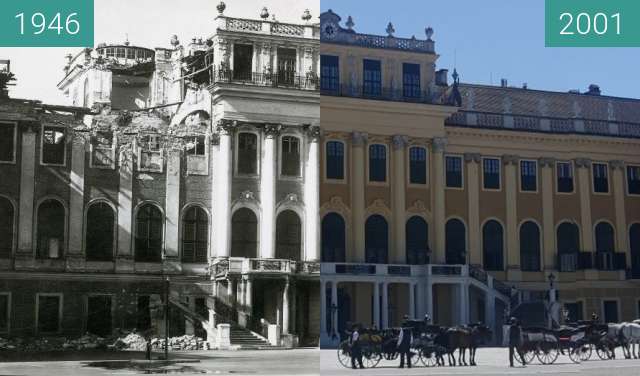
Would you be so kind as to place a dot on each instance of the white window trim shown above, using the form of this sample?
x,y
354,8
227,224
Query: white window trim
x,y
15,140
593,179
301,151
500,184
573,177
626,179
408,166
141,149
64,157
183,212
595,238
135,231
462,165
8,295
236,143
93,148
384,183
60,311
520,175
344,162
618,306
36,230
206,157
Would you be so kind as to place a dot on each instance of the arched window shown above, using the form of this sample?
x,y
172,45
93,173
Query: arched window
x,y
288,236
247,153
493,245
290,156
455,242
529,247
149,222
605,238
333,238
244,234
99,232
6,228
634,247
51,221
417,241
568,243
195,233
376,240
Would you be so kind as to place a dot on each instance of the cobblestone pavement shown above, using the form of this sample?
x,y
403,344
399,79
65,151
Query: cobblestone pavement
x,y
266,362
491,361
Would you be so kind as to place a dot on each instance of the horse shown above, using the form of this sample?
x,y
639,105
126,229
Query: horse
x,y
463,338
630,338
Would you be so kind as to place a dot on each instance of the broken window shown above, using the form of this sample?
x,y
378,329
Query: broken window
x,y
197,156
49,315
247,153
150,158
131,53
102,150
149,234
290,156
143,313
53,146
100,233
242,62
51,220
7,142
120,53
99,315
6,227
286,66
111,52
194,235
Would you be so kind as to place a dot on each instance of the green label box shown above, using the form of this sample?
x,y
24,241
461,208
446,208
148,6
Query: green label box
x,y
46,23
592,23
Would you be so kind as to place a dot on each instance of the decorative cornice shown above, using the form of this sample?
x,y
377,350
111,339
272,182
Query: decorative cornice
x,y
616,164
510,159
472,157
359,138
439,144
399,141
583,162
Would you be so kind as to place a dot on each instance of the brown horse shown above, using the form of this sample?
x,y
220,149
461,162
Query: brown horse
x,y
463,338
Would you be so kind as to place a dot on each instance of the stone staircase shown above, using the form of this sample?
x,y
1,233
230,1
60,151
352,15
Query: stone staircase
x,y
246,339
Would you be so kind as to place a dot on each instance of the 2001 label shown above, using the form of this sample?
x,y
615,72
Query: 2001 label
x,y
585,24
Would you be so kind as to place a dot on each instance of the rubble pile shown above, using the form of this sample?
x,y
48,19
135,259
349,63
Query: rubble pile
x,y
185,342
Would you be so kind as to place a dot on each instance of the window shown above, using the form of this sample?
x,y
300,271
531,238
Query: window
x,y
120,53
247,153
242,62
102,150
610,310
568,243
244,234
195,232
51,223
49,313
600,178
455,242
417,165
53,146
5,312
151,158
7,218
491,173
7,142
100,232
333,238
131,53
529,247
197,156
564,175
288,236
197,145
411,80
376,240
286,66
99,320
377,163
372,78
634,247
453,168
143,313
605,243
633,180
575,311
329,73
149,227
290,156
111,52
417,241
493,245
335,160
528,176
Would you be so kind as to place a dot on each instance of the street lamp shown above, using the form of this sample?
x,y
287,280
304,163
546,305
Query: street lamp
x,y
552,279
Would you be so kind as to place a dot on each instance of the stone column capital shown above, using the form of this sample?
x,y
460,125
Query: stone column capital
x,y
399,141
359,138
439,144
546,162
472,157
225,126
616,164
583,162
510,159
313,132
272,130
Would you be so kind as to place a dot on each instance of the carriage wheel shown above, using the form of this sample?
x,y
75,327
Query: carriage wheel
x,y
344,354
574,353
528,357
428,357
586,351
371,358
548,354
603,353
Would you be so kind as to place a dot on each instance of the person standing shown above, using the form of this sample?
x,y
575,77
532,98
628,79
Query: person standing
x,y
514,340
356,350
404,344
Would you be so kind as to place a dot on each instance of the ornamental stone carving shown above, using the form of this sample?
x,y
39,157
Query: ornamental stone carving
x,y
399,141
546,162
616,164
225,126
472,157
510,159
418,207
313,132
378,206
272,130
359,138
439,144
583,162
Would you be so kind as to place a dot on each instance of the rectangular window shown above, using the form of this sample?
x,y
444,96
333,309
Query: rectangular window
x,y
286,66
633,180
120,53
528,176
4,313
242,62
575,311
411,80
247,153
372,78
143,313
197,156
564,175
111,52
99,321
377,163
610,308
329,73
417,165
53,146
453,169
197,145
491,173
49,307
600,178
102,150
290,156
335,160
7,142
151,158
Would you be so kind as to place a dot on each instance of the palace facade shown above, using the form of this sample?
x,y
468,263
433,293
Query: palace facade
x,y
469,202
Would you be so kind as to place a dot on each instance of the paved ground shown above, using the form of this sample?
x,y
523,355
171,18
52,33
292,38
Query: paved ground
x,y
491,361
266,362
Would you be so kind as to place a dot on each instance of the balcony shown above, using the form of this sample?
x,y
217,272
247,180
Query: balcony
x,y
241,265
283,80
383,94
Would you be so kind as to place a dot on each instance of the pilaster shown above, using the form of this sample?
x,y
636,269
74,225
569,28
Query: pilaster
x,y
358,142
473,189
618,180
398,202
547,166
511,189
439,145
75,255
584,187
268,192
312,196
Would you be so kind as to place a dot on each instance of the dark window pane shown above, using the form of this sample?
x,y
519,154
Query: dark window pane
x,y
7,216
564,172
418,165
411,80
247,153
288,236
417,241
4,311
372,78
528,176
100,233
335,160
600,178
605,237
194,235
333,238
244,234
53,145
493,245
51,220
99,315
491,173
633,180
143,313
149,224
377,163
242,61
290,156
610,311
529,247
376,240
455,242
7,144
453,168
48,314
329,73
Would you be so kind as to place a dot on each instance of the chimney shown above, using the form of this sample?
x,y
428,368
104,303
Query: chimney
x,y
441,77
593,90
525,86
503,82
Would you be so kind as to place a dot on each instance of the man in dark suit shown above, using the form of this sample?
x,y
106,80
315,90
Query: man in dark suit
x,y
514,340
404,343
356,350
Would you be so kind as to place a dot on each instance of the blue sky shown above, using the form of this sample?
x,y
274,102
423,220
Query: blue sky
x,y
493,39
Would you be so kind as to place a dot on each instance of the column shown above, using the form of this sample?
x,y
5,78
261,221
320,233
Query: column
x,y
376,304
248,295
232,290
429,299
312,197
618,180
398,202
584,187
294,308
27,191
323,307
222,190
124,260
268,192
76,202
412,300
334,309
172,210
473,189
188,322
439,144
511,189
547,166
285,307
358,142
464,303
385,305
